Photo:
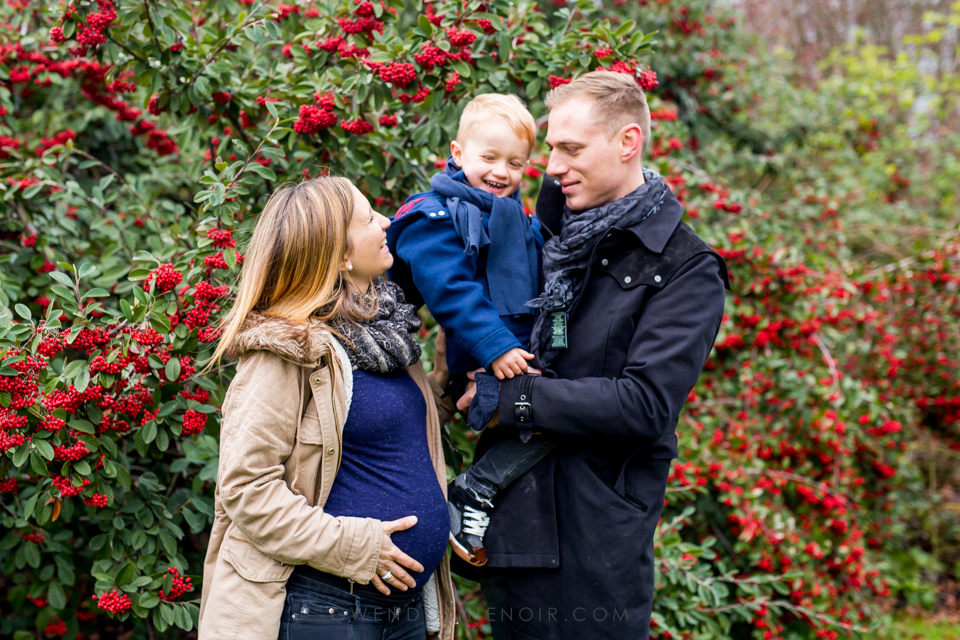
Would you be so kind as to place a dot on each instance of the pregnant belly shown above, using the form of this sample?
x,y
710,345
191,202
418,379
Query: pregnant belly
x,y
425,542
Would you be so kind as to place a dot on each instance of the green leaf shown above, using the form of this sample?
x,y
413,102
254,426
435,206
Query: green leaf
x,y
172,369
149,432
63,292
138,274
29,505
125,574
72,369
44,447
83,380
160,323
96,293
230,257
56,596
82,426
23,312
149,600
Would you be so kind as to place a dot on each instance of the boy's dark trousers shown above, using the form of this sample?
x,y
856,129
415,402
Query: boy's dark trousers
x,y
504,462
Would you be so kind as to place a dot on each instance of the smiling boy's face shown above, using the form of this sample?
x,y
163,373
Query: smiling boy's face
x,y
492,157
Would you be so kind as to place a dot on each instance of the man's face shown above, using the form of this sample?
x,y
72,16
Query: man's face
x,y
583,157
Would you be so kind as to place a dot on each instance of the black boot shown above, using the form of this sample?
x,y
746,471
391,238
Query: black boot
x,y
468,523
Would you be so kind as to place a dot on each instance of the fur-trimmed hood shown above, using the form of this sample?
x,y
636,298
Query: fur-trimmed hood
x,y
301,343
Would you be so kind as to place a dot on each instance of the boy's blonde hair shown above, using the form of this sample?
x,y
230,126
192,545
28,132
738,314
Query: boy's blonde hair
x,y
508,107
617,100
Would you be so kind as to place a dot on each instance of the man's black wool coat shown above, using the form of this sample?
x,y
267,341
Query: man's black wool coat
x,y
574,536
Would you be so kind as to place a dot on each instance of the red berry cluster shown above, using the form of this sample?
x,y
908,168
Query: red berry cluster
x,y
166,277
50,345
56,627
181,585
222,97
147,337
331,44
51,424
360,25
204,291
430,56
70,400
72,453
193,422
431,15
217,261
452,81
399,74
222,238
35,537
9,485
647,80
96,500
199,395
67,490
208,334
90,339
100,364
556,81
357,127
22,389
604,52
285,10
418,97
312,119
91,33
113,602
9,441
461,37
325,101
486,25
387,120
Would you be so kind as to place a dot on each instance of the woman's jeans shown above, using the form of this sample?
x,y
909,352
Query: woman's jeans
x,y
317,611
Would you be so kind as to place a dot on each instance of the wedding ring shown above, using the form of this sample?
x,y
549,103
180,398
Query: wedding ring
x,y
387,576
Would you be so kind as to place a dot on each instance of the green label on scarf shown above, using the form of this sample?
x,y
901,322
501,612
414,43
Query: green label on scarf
x,y
558,326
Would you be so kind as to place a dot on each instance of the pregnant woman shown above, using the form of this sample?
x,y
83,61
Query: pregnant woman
x,y
331,517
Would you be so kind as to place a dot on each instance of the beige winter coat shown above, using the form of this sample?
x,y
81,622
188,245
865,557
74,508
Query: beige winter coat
x,y
279,454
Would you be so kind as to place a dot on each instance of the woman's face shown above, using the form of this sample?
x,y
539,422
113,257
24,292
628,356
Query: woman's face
x,y
367,250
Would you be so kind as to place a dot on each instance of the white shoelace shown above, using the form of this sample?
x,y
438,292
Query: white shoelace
x,y
475,521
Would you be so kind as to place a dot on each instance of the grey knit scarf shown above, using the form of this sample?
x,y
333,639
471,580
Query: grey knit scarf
x,y
565,255
385,343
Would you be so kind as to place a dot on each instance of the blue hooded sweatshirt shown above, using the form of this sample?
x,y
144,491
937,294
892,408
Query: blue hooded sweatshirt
x,y
433,266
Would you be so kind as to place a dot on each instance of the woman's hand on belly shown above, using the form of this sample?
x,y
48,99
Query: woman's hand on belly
x,y
392,560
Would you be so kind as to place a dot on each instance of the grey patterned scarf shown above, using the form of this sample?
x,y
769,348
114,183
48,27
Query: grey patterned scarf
x,y
565,255
385,343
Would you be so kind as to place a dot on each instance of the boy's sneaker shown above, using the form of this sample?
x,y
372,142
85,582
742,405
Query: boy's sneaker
x,y
468,523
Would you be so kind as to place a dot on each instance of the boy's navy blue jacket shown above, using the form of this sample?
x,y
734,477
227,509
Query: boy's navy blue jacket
x,y
431,268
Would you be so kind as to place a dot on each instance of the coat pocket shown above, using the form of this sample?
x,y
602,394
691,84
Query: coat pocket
x,y
251,563
310,431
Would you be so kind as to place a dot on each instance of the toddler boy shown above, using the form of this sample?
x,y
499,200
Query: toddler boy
x,y
467,250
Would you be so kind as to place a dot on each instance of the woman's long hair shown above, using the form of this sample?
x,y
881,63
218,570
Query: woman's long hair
x,y
292,265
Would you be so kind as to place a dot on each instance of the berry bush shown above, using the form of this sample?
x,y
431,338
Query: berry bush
x,y
138,142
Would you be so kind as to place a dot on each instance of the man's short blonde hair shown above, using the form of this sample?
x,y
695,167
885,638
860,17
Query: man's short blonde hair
x,y
617,100
510,108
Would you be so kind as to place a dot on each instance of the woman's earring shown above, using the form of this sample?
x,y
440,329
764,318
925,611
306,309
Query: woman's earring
x,y
349,267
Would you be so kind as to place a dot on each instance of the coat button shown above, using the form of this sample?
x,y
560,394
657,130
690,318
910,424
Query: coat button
x,y
657,278
318,380
331,450
627,279
604,262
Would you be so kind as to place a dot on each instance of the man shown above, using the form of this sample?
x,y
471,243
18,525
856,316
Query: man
x,y
631,306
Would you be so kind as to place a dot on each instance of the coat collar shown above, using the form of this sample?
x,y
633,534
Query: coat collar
x,y
302,343
653,232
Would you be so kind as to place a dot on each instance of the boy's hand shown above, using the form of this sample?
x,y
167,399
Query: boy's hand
x,y
512,363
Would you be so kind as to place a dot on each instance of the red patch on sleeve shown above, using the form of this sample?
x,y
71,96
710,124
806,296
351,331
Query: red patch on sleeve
x,y
407,207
